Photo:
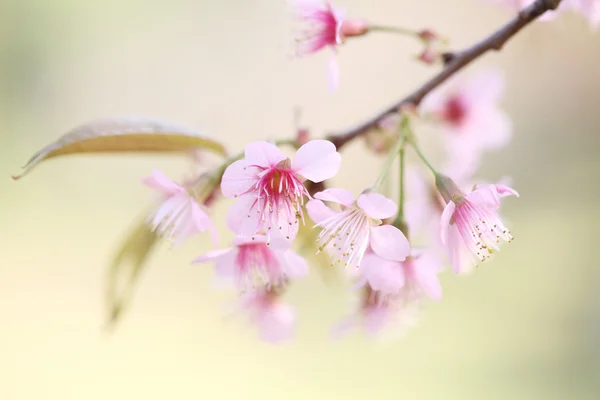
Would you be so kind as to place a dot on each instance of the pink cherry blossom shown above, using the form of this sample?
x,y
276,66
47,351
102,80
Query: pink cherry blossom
x,y
377,313
269,187
179,216
250,263
324,26
275,320
470,121
392,290
346,234
471,228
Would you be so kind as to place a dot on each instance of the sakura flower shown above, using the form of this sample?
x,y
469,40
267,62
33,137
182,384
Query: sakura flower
x,y
470,121
251,263
471,228
347,234
405,281
275,320
180,215
393,290
325,26
377,313
269,187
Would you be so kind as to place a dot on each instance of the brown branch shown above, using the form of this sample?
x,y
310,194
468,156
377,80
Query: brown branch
x,y
454,62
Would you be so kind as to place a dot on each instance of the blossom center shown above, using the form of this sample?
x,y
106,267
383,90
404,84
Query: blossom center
x,y
280,195
455,111
257,265
480,228
346,236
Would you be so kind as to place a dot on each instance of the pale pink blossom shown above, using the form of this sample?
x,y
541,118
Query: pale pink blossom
x,y
179,216
377,313
251,264
346,234
269,187
324,27
471,228
393,290
275,320
470,120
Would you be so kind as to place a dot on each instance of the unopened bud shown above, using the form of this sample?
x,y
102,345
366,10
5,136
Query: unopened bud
x,y
302,136
429,56
428,36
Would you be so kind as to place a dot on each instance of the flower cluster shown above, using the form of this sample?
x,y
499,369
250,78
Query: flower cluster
x,y
390,244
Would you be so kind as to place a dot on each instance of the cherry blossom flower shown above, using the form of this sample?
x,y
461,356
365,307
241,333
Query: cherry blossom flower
x,y
269,187
275,320
179,216
377,313
470,121
347,234
471,228
250,263
324,26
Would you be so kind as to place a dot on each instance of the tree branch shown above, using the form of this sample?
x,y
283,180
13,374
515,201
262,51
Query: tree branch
x,y
454,62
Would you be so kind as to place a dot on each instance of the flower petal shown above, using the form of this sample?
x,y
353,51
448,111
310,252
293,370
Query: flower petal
x,y
263,154
382,275
294,266
336,195
389,242
317,160
238,179
445,221
425,270
333,73
211,256
376,205
318,211
162,183
242,217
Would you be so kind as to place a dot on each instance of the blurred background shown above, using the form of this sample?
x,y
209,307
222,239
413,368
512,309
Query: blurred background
x,y
525,326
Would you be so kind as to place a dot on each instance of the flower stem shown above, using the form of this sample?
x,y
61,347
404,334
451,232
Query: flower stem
x,y
394,29
423,158
398,149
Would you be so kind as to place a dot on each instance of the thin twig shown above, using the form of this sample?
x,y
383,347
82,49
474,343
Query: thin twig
x,y
454,62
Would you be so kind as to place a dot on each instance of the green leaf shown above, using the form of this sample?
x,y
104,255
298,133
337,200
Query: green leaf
x,y
126,269
120,135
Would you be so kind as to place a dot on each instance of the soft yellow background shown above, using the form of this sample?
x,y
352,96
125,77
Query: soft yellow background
x,y
525,326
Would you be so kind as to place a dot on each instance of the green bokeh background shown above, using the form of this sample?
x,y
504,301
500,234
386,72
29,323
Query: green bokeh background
x,y
525,326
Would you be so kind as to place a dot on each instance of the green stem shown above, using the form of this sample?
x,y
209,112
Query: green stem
x,y
394,29
423,158
398,149
401,163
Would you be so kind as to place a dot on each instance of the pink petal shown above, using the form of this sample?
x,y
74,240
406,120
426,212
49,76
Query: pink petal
x,y
445,221
318,211
485,88
294,265
211,256
504,191
317,160
333,73
264,154
161,182
493,127
203,222
389,242
241,240
242,217
382,275
336,195
376,205
426,276
238,179
276,323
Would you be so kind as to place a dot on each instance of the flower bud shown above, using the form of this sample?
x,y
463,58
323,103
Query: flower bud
x,y
447,188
